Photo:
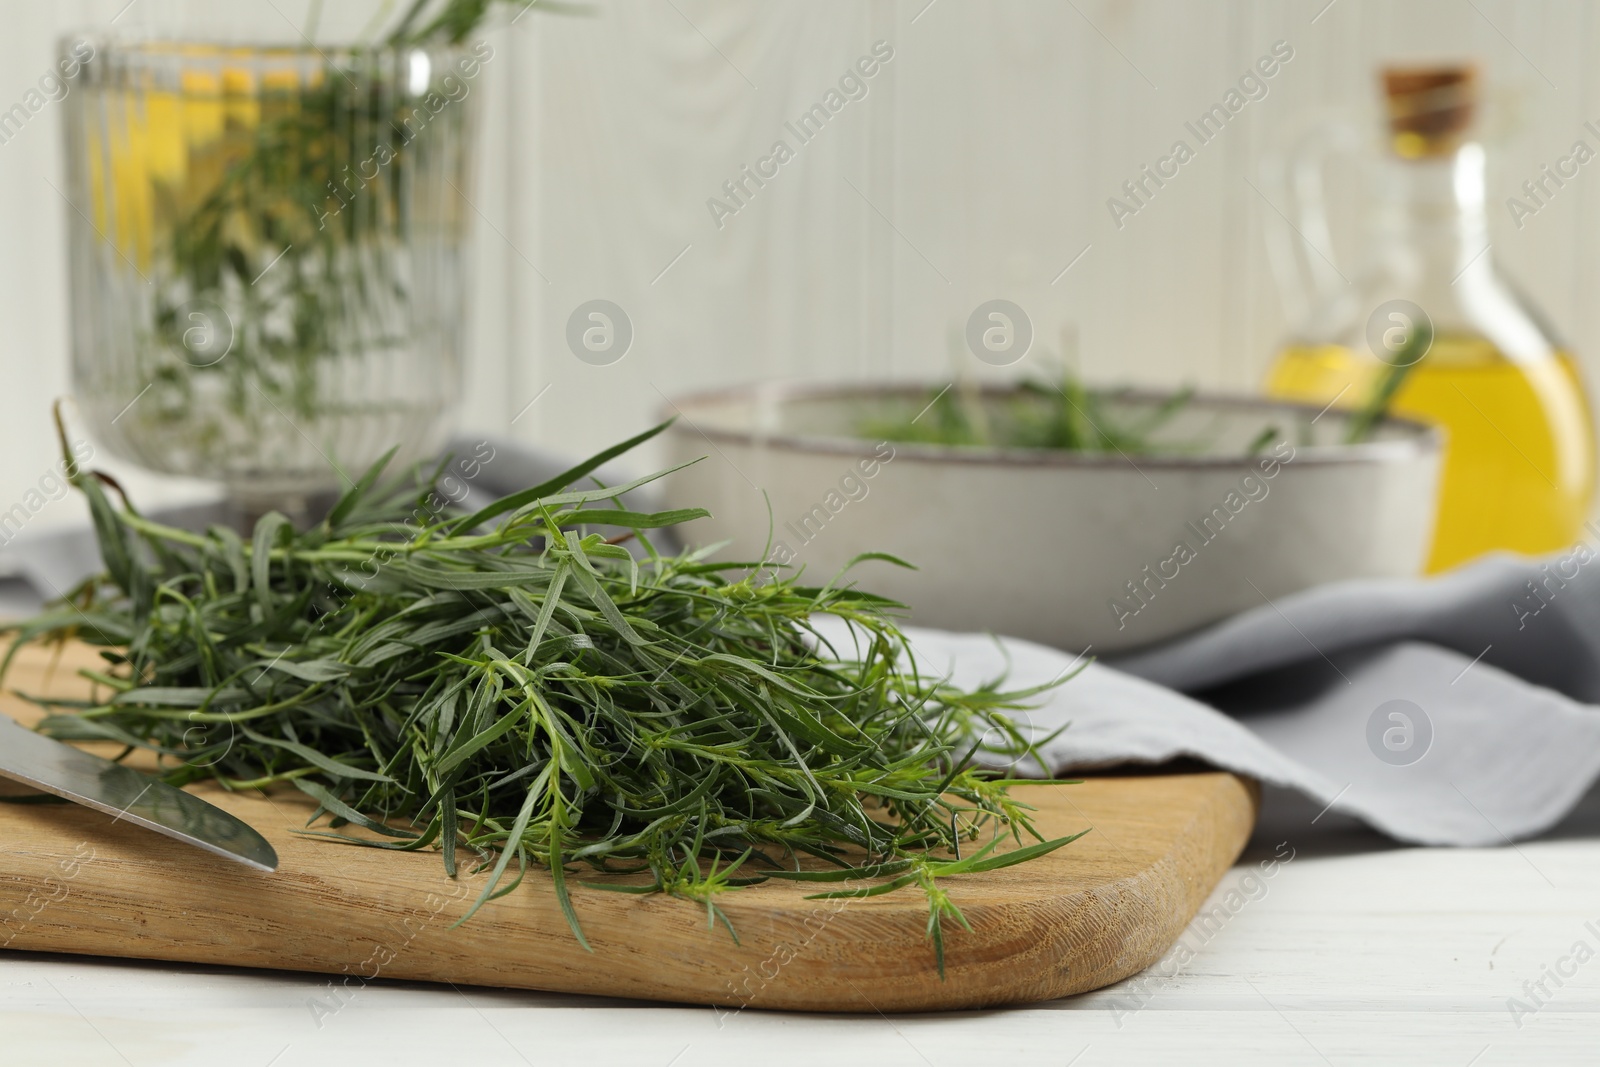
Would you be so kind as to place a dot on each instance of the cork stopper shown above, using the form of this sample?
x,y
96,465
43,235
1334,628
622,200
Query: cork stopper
x,y
1430,108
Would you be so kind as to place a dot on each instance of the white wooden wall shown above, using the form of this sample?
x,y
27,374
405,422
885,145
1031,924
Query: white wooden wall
x,y
977,166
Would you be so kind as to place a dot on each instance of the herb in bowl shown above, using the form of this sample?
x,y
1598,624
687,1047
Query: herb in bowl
x,y
1036,413
1068,416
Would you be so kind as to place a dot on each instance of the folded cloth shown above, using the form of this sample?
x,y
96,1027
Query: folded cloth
x,y
1456,710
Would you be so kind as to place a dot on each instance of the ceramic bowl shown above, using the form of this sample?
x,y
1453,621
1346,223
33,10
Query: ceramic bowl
x,y
1073,550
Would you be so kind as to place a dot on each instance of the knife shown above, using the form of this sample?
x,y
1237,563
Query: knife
x,y
142,799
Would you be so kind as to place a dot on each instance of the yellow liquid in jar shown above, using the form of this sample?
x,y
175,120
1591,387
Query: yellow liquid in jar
x,y
1519,460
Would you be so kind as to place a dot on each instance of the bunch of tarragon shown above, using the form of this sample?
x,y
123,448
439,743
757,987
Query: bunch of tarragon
x,y
517,687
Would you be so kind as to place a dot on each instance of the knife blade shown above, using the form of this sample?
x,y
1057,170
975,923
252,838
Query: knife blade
x,y
142,799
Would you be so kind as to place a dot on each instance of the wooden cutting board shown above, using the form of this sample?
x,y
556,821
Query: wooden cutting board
x,y
1089,914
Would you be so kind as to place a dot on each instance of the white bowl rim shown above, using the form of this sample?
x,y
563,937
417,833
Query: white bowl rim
x,y
1423,439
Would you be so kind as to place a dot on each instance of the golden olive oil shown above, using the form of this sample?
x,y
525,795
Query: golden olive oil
x,y
1518,463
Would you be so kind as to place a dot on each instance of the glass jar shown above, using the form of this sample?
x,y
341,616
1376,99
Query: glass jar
x,y
267,256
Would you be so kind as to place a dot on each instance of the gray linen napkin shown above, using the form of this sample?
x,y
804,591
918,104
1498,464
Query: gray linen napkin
x,y
1456,710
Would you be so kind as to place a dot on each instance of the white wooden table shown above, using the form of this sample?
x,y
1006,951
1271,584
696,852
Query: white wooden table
x,y
1354,950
